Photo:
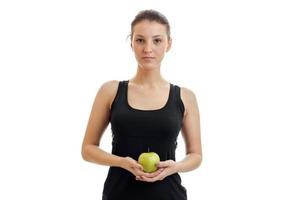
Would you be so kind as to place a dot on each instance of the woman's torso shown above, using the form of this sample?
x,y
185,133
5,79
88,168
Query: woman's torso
x,y
135,131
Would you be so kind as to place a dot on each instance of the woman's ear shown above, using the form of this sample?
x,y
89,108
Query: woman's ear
x,y
169,44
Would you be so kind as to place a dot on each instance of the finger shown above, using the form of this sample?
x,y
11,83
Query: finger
x,y
140,167
156,173
162,164
141,173
153,179
152,174
159,177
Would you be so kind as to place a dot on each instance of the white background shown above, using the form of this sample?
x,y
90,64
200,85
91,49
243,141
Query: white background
x,y
240,58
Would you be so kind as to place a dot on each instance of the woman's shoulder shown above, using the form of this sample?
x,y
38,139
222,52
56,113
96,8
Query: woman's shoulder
x,y
186,92
109,90
109,85
188,97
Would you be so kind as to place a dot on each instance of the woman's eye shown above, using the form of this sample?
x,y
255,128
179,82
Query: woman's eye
x,y
157,40
139,40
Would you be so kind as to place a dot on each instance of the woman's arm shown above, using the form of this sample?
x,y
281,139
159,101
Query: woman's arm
x,y
191,133
98,122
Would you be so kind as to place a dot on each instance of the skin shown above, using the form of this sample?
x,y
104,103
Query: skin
x,y
149,39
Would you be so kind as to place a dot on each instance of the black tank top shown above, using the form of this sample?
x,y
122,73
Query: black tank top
x,y
133,132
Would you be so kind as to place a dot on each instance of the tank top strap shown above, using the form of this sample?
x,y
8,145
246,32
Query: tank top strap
x,y
120,95
178,100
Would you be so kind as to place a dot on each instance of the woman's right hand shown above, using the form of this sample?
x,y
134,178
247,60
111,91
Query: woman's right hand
x,y
136,168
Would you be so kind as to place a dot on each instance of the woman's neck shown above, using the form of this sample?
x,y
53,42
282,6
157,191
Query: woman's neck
x,y
148,78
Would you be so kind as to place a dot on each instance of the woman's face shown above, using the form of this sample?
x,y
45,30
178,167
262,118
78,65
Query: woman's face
x,y
150,43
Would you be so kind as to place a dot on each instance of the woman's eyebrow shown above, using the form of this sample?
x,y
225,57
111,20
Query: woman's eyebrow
x,y
152,36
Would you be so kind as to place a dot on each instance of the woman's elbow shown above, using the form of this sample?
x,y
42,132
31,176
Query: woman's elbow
x,y
84,152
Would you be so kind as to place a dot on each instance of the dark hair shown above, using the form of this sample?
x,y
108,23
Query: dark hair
x,y
151,15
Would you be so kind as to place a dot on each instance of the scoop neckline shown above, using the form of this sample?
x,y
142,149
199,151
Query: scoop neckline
x,y
142,110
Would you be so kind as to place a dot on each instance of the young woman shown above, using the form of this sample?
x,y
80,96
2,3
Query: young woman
x,y
146,113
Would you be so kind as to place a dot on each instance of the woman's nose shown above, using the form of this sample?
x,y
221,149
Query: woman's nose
x,y
148,47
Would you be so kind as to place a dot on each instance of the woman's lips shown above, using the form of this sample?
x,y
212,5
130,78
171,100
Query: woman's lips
x,y
148,58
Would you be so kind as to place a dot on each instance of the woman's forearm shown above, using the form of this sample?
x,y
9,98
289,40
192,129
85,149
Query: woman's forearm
x,y
189,163
94,154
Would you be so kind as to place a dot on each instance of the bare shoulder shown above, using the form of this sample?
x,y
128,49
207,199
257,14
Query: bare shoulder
x,y
109,85
108,91
189,99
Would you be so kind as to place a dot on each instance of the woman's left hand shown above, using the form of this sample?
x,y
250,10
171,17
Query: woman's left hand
x,y
164,169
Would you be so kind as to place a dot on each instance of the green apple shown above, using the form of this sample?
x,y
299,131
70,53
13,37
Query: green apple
x,y
148,161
